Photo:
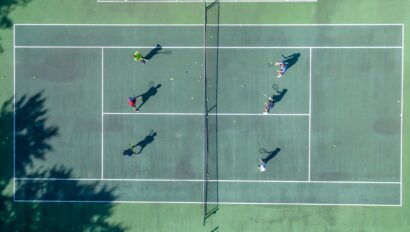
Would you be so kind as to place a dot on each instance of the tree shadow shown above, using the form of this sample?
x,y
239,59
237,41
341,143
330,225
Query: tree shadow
x,y
6,7
156,51
271,155
40,216
291,59
32,136
279,96
152,91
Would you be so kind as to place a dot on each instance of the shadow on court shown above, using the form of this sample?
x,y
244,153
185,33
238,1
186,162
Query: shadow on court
x,y
152,91
33,136
6,7
141,144
280,95
156,51
291,59
271,154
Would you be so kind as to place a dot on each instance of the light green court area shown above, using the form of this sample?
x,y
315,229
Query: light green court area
x,y
356,114
68,82
172,69
336,128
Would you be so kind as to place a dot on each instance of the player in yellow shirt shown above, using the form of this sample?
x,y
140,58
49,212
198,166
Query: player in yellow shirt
x,y
139,58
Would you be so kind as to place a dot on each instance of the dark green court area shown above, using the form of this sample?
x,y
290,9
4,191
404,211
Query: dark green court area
x,y
332,137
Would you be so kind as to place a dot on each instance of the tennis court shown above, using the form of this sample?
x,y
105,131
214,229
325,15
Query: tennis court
x,y
338,127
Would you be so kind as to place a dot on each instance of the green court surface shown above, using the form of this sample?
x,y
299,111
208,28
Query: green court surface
x,y
77,157
336,129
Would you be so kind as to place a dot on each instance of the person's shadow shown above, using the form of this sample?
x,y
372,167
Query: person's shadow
x,y
155,51
145,96
142,144
271,155
291,59
279,96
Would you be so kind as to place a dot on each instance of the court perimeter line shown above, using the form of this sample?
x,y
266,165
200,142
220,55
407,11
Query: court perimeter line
x,y
222,47
102,113
202,114
201,25
310,107
14,112
401,117
208,1
199,202
201,180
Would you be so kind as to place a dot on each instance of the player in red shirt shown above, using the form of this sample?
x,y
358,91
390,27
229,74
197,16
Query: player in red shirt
x,y
132,101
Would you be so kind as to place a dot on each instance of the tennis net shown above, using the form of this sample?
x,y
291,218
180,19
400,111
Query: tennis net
x,y
211,40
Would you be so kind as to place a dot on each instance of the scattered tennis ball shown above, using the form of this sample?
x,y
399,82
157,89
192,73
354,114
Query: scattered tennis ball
x,y
334,145
242,86
202,64
192,98
398,100
234,121
34,77
196,62
2,77
171,78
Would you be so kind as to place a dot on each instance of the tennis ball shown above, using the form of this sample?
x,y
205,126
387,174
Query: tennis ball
x,y
34,77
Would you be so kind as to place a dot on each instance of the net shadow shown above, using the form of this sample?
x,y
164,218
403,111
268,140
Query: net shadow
x,y
211,33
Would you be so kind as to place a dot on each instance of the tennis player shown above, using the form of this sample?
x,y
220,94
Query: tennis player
x,y
139,58
132,101
262,165
282,68
130,151
269,105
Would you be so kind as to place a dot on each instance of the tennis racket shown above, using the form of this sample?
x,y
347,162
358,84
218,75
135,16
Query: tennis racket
x,y
276,87
166,52
263,150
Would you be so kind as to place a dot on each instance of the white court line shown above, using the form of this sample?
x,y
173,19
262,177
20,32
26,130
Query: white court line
x,y
310,108
199,202
14,112
202,114
102,113
401,117
221,47
209,1
222,181
221,25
